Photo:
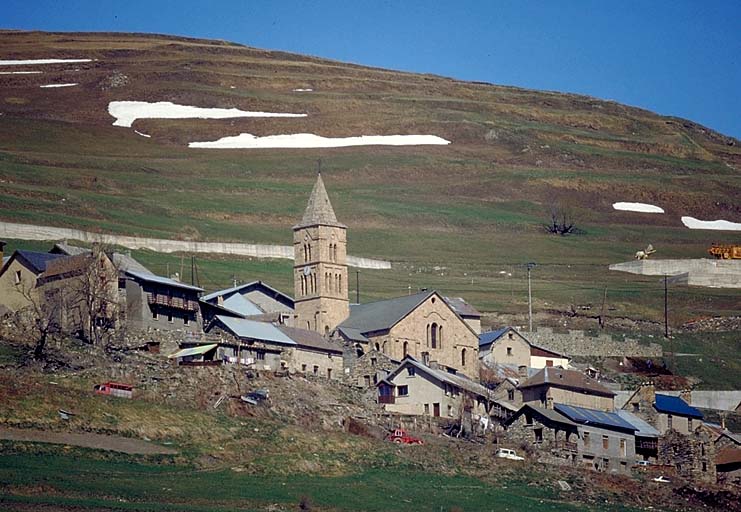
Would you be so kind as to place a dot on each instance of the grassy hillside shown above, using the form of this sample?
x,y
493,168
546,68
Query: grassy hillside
x,y
451,217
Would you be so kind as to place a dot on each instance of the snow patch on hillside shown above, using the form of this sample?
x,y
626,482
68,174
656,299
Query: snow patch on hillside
x,y
126,112
142,134
40,61
722,225
309,140
49,86
20,72
637,207
303,90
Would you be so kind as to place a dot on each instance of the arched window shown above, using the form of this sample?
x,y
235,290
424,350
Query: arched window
x,y
326,331
384,347
309,250
433,335
463,357
303,285
378,347
306,253
406,349
440,337
428,335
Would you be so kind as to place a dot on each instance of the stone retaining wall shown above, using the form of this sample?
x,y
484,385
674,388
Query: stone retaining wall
x,y
579,343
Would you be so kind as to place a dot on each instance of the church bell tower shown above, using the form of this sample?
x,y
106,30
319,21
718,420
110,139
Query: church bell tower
x,y
320,265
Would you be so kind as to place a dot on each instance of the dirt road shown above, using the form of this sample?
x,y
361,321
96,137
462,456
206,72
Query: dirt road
x,y
86,440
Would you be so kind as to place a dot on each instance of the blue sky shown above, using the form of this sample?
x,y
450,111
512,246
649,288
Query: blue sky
x,y
673,57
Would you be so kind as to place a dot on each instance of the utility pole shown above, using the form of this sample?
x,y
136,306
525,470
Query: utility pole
x,y
192,270
666,306
357,287
530,266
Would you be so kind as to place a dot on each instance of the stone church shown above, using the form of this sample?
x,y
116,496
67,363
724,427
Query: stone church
x,y
425,325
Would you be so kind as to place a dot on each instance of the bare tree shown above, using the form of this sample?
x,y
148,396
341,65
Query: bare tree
x,y
40,318
561,221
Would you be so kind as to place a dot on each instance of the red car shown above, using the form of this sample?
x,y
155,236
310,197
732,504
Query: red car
x,y
400,436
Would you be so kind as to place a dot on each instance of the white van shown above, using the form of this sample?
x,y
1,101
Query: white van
x,y
506,453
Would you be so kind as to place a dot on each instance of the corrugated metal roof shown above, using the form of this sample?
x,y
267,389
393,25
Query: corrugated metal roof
x,y
250,329
152,278
193,351
594,417
644,428
240,305
675,405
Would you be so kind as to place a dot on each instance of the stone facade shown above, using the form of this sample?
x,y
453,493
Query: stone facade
x,y
320,265
691,455
579,343
144,312
313,362
369,369
547,395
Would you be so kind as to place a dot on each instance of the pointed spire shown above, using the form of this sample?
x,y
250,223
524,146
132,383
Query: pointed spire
x,y
319,210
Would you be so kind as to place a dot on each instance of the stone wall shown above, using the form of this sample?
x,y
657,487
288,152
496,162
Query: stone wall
x,y
579,343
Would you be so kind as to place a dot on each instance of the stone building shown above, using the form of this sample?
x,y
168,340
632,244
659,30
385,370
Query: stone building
x,y
156,302
416,389
557,386
575,435
368,369
320,265
507,346
422,325
691,454
663,412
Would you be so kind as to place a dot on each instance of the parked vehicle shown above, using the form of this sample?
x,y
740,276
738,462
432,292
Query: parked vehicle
x,y
114,389
643,464
400,436
506,453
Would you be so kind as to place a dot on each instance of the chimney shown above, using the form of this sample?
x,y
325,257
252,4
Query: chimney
x,y
686,395
220,300
3,243
647,392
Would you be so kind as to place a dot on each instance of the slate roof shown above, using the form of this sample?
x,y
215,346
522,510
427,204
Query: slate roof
x,y
319,210
643,429
443,376
37,261
486,338
383,314
463,308
674,405
549,414
566,379
252,330
70,265
122,262
489,337
352,334
594,417
152,278
310,339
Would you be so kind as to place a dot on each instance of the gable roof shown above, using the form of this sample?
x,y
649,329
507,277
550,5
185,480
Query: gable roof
x,y
674,405
319,210
252,330
69,266
310,339
383,314
594,417
463,308
122,262
36,261
489,337
236,303
453,379
569,379
548,414
152,278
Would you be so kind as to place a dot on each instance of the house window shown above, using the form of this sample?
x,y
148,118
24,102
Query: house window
x,y
669,421
17,277
450,410
549,362
403,390
510,335
636,407
303,368
509,351
329,373
406,349
510,394
702,449
427,409
463,357
605,442
373,361
169,318
366,379
538,435
586,440
704,467
260,356
411,371
186,320
689,424
316,370
433,335
623,448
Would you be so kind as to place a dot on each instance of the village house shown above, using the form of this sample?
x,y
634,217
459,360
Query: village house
x,y
663,412
156,302
368,369
567,434
19,275
422,325
414,388
507,346
568,387
646,436
255,300
275,347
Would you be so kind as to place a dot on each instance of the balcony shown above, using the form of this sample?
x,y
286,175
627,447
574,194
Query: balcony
x,y
172,302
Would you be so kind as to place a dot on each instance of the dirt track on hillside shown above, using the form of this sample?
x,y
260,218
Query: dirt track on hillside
x,y
86,440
